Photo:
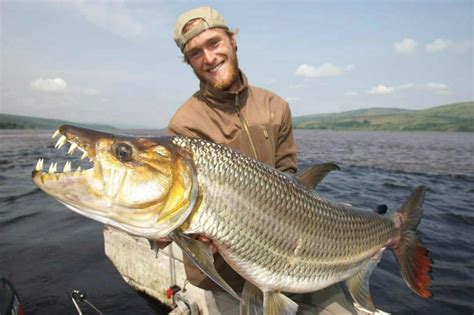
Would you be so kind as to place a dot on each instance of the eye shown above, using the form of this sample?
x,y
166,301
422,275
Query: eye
x,y
124,152
214,43
193,54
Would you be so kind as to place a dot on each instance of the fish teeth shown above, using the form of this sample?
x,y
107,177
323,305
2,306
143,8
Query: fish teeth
x,y
67,167
62,141
56,133
39,165
53,167
79,169
72,148
84,155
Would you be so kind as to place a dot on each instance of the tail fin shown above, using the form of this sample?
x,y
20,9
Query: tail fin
x,y
412,256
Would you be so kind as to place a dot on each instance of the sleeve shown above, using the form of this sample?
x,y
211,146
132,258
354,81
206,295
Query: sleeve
x,y
285,155
177,126
176,130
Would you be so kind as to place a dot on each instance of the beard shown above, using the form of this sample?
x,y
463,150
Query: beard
x,y
223,82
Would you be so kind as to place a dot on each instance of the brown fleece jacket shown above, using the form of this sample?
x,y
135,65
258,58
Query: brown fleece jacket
x,y
223,117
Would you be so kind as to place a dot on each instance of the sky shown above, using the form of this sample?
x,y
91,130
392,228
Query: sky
x,y
115,62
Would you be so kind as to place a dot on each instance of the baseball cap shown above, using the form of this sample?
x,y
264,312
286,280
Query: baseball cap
x,y
211,18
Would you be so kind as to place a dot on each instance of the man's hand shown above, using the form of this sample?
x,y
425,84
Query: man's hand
x,y
162,242
165,241
207,241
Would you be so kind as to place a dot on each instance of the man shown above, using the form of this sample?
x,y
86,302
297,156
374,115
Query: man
x,y
229,111
226,109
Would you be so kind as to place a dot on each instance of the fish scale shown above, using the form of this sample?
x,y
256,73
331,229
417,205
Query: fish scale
x,y
258,237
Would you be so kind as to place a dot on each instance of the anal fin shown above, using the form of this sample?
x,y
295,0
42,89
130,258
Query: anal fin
x,y
201,255
252,300
358,286
276,303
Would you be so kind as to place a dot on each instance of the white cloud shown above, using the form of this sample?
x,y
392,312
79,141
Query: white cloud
x,y
463,46
48,85
324,70
381,90
351,93
112,16
438,45
297,86
406,47
438,88
292,99
404,86
86,91
271,81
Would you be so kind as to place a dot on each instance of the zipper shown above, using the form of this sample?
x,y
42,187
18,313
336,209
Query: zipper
x,y
245,127
267,136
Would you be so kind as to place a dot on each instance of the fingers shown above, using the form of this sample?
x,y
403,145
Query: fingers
x,y
209,242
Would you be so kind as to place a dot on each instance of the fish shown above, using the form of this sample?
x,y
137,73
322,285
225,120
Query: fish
x,y
271,227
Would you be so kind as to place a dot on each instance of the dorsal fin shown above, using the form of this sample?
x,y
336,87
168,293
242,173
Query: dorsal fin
x,y
314,174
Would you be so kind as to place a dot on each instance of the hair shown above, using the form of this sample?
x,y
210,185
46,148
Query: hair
x,y
192,24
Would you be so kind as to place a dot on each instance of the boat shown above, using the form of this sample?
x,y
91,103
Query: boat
x,y
160,275
9,301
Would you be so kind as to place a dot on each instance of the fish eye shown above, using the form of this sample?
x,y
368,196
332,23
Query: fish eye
x,y
124,152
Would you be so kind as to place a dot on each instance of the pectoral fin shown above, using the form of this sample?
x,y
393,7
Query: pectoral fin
x,y
201,255
252,300
276,303
314,174
358,287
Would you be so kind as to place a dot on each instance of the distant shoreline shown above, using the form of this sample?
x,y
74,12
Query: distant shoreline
x,y
457,117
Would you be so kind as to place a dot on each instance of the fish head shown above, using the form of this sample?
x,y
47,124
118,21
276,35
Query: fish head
x,y
142,185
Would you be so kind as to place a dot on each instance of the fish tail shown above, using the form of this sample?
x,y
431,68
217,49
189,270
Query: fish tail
x,y
412,256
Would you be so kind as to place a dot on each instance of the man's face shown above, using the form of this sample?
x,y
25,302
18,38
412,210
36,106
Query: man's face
x,y
212,55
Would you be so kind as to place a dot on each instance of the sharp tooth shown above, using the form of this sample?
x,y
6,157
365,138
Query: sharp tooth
x,y
55,167
56,133
67,167
72,148
79,169
61,142
39,165
51,168
84,155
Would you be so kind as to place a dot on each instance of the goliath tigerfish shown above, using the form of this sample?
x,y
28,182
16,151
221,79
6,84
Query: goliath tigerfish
x,y
272,228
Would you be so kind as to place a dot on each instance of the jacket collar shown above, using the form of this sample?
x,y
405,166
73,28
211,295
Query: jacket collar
x,y
224,100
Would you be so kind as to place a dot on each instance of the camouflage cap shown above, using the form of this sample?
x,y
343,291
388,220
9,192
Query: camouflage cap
x,y
211,18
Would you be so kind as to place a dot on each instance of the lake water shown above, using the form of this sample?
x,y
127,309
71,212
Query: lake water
x,y
46,249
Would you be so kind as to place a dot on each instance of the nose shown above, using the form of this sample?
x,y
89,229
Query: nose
x,y
209,56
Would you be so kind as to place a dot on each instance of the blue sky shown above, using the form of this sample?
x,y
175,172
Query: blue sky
x,y
115,62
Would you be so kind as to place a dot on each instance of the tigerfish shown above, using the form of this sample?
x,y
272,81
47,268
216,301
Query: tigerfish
x,y
272,228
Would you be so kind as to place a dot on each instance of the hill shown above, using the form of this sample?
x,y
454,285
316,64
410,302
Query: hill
x,y
451,117
8,121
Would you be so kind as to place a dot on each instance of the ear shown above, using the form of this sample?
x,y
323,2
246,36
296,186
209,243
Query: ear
x,y
233,41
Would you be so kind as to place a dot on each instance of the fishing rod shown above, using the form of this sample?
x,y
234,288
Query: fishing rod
x,y
80,296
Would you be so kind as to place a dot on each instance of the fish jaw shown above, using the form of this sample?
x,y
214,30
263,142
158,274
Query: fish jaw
x,y
143,186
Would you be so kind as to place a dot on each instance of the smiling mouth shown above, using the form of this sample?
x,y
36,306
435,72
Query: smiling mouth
x,y
216,69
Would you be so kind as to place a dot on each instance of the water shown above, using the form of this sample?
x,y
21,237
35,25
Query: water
x,y
46,249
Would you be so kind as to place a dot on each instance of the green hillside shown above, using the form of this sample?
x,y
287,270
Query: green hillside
x,y
451,117
24,122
